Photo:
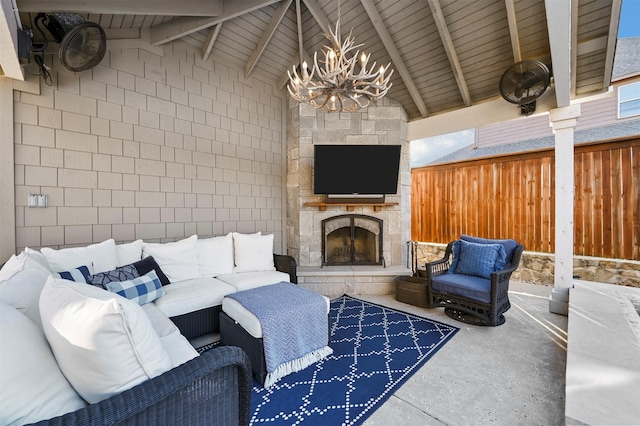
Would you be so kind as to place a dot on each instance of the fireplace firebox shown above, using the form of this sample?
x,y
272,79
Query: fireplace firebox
x,y
352,240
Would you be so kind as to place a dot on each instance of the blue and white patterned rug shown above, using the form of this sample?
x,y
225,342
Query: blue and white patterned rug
x,y
375,350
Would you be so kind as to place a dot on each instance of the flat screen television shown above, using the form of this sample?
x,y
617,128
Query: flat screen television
x,y
356,169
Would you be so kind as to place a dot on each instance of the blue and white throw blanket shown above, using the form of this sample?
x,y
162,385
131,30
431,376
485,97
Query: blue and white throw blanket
x,y
294,326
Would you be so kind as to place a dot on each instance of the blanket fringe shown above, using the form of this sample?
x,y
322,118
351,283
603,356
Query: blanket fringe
x,y
296,365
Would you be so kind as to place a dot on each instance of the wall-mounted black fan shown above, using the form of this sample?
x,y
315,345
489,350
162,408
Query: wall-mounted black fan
x,y
523,83
82,43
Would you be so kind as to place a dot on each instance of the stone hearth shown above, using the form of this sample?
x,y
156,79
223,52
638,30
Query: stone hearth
x,y
381,124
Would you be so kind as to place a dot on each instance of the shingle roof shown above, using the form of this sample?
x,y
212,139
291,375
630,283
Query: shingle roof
x,y
627,58
614,131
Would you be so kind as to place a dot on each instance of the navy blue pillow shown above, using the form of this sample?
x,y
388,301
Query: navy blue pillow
x,y
455,249
123,273
149,264
480,260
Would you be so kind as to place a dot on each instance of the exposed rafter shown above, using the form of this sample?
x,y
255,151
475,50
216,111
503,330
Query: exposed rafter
x,y
513,30
398,63
180,27
318,14
266,36
126,7
299,21
441,24
207,46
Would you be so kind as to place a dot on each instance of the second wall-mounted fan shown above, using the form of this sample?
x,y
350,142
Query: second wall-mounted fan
x,y
523,83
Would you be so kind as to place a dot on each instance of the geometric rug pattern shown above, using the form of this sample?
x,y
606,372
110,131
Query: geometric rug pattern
x,y
375,350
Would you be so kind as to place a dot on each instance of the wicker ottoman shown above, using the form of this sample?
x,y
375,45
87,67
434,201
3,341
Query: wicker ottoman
x,y
239,327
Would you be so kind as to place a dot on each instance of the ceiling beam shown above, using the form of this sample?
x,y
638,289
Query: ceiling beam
x,y
318,15
393,52
611,45
180,27
207,46
476,116
266,36
9,62
513,30
559,25
441,24
126,7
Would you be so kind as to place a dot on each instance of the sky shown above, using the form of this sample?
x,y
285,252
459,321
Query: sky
x,y
424,151
629,19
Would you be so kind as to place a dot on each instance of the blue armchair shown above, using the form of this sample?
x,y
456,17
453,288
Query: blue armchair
x,y
471,281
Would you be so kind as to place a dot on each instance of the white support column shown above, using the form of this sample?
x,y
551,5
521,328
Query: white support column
x,y
563,121
7,172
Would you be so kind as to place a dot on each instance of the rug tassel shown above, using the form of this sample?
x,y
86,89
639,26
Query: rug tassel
x,y
296,365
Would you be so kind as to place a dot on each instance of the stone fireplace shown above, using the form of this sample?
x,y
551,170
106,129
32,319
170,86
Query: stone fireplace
x,y
322,261
352,240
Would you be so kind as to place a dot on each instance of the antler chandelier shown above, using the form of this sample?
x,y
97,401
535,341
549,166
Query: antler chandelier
x,y
344,83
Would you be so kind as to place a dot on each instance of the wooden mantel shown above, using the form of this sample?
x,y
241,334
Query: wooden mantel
x,y
350,206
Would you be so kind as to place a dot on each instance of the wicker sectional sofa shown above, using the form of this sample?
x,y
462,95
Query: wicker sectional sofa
x,y
74,353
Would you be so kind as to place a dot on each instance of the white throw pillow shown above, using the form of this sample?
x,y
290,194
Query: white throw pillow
x,y
103,256
32,387
178,261
104,343
129,253
21,281
215,255
253,253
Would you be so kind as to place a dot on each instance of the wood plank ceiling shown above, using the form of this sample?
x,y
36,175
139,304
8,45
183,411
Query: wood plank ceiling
x,y
447,54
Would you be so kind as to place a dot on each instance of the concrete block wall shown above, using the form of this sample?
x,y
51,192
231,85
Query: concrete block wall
x,y
157,146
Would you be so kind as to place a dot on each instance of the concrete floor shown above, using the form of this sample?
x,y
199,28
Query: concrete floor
x,y
513,374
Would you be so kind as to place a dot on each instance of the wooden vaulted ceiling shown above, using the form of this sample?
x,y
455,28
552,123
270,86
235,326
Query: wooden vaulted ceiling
x,y
447,54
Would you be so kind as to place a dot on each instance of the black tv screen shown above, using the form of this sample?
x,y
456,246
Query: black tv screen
x,y
356,169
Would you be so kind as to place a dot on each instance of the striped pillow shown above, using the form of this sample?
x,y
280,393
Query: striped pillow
x,y
141,290
79,274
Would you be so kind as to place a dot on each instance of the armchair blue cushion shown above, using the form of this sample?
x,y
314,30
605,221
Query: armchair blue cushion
x,y
474,288
476,259
509,245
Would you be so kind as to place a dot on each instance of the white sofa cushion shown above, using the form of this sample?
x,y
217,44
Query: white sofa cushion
x,y
178,260
253,253
247,280
104,343
32,387
21,281
99,257
215,255
176,345
192,295
129,253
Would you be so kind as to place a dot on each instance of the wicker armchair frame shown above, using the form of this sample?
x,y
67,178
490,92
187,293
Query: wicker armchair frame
x,y
211,389
468,310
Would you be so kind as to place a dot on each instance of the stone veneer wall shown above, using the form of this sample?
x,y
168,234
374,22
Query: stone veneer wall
x,y
381,124
153,144
538,268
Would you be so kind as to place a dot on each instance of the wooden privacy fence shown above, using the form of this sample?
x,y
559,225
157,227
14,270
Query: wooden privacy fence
x,y
513,197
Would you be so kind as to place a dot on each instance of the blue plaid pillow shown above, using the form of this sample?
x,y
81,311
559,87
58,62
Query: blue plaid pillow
x,y
141,290
80,274
480,259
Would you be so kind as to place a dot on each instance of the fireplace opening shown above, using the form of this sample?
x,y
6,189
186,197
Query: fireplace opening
x,y
352,240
